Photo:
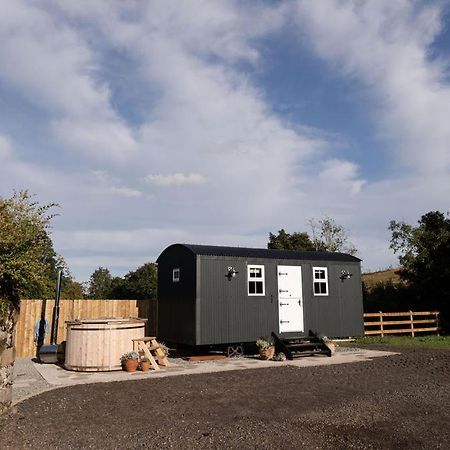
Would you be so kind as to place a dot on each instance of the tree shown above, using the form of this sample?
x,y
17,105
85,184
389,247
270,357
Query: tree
x,y
386,296
26,257
119,288
328,236
71,289
424,255
299,241
141,284
100,284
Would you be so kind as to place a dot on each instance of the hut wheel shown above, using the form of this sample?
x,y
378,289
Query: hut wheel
x,y
235,351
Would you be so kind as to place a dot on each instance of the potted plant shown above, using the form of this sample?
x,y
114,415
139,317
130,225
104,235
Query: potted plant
x,y
130,361
164,348
330,344
144,364
266,348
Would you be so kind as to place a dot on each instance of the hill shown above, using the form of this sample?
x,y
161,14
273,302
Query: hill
x,y
370,279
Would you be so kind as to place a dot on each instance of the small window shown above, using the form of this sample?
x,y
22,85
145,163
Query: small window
x,y
320,280
255,280
176,275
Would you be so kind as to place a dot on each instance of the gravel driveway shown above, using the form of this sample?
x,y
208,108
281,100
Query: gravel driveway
x,y
400,401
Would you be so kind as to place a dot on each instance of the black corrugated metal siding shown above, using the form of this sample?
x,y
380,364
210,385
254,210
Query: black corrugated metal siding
x,y
206,308
229,315
177,301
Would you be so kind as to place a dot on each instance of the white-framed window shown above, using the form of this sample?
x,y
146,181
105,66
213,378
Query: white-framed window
x,y
255,278
320,281
176,275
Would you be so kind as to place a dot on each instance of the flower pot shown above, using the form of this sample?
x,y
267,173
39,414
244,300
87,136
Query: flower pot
x,y
332,346
145,366
130,365
267,353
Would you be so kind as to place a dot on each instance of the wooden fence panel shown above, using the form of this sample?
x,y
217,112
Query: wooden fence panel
x,y
384,326
30,313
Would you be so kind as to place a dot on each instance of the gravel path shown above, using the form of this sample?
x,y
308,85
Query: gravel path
x,y
399,401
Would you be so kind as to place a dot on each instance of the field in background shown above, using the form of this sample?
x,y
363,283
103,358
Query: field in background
x,y
383,276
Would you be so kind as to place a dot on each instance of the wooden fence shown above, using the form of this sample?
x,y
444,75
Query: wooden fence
x,y
388,323
30,313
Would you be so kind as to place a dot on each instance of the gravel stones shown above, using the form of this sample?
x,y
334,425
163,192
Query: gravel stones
x,y
389,402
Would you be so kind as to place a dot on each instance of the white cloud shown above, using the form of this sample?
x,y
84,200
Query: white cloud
x,y
141,240
125,192
113,185
176,179
106,141
52,65
85,70
341,173
385,45
5,147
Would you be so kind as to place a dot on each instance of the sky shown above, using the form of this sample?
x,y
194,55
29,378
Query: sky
x,y
217,122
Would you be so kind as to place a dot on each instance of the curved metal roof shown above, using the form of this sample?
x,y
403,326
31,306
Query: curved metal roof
x,y
214,250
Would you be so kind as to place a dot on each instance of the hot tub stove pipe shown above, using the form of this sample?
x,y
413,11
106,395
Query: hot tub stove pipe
x,y
49,353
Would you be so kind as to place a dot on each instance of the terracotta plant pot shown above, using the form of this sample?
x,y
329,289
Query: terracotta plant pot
x,y
145,366
130,365
267,353
332,346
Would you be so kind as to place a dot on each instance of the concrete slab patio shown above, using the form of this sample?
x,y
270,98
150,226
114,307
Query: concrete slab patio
x,y
32,378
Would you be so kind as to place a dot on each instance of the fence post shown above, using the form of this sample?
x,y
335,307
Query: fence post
x,y
436,313
411,318
381,323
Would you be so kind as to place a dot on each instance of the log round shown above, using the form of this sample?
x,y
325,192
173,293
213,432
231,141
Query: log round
x,y
95,345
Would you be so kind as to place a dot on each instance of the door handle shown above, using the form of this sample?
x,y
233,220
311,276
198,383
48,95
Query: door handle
x,y
281,290
284,321
284,304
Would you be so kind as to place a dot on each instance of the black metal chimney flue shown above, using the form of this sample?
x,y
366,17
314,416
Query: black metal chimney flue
x,y
49,353
55,316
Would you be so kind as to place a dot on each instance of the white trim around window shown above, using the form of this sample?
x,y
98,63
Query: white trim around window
x,y
255,280
320,281
176,275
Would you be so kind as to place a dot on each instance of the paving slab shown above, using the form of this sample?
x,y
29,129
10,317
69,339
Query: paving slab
x,y
27,380
32,378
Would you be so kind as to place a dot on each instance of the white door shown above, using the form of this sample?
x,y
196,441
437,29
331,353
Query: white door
x,y
290,298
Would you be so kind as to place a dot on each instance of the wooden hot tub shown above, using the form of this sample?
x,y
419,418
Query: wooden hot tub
x,y
97,344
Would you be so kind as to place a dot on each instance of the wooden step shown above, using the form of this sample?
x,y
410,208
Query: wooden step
x,y
303,345
145,339
308,353
152,350
300,346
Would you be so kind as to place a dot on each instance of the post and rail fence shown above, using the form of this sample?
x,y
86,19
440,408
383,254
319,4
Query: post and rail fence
x,y
389,323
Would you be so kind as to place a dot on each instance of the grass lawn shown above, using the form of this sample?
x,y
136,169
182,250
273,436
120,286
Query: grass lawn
x,y
418,341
